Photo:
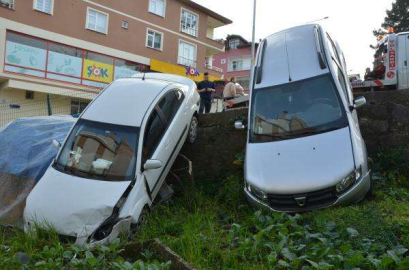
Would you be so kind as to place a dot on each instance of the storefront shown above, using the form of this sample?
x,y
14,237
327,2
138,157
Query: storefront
x,y
180,70
31,56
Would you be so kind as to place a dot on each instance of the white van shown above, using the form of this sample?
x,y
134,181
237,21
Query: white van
x,y
116,158
305,150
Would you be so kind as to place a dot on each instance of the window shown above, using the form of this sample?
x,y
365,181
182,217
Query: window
x,y
45,6
7,4
154,40
125,69
157,7
237,65
64,63
234,43
244,81
25,55
100,151
341,79
296,109
97,21
153,136
189,23
98,69
223,61
170,104
29,95
187,54
78,107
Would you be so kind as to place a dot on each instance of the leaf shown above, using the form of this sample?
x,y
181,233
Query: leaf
x,y
387,261
352,232
283,263
288,254
392,254
313,264
67,254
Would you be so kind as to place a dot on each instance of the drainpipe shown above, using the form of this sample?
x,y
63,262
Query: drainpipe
x,y
49,110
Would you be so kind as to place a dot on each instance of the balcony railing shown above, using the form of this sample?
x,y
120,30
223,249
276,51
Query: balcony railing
x,y
188,30
186,62
220,70
7,4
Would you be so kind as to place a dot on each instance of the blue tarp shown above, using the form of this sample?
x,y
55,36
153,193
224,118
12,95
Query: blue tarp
x,y
26,148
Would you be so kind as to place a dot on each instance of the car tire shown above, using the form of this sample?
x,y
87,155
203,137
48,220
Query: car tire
x,y
193,127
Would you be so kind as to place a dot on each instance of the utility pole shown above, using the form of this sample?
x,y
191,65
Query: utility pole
x,y
253,43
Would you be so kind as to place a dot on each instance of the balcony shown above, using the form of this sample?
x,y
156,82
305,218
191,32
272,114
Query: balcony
x,y
210,67
7,4
192,31
186,62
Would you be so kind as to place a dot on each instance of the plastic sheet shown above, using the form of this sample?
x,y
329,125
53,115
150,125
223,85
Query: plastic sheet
x,y
26,151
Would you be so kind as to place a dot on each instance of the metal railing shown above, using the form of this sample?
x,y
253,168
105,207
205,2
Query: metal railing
x,y
188,30
41,104
186,61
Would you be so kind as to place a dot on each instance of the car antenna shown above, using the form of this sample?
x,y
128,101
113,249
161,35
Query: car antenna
x,y
143,77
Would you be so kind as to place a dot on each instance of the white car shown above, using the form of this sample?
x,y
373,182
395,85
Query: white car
x,y
305,150
115,159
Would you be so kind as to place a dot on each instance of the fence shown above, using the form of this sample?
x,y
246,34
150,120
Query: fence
x,y
15,104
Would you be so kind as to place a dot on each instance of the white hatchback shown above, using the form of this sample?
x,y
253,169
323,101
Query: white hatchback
x,y
115,159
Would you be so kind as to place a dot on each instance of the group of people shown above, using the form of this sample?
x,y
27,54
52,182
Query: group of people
x,y
206,88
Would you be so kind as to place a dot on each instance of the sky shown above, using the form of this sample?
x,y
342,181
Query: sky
x,y
350,22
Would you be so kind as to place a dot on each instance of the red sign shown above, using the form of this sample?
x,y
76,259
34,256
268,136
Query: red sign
x,y
392,59
391,74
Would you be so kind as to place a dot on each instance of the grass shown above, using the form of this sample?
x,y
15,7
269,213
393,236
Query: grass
x,y
219,230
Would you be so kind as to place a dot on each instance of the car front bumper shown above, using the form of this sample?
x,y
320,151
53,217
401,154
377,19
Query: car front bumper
x,y
355,194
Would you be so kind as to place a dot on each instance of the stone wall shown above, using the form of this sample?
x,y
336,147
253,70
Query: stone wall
x,y
385,119
384,122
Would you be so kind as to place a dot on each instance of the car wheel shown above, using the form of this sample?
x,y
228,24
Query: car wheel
x,y
192,135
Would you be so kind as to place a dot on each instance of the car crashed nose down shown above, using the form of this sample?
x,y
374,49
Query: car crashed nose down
x,y
72,206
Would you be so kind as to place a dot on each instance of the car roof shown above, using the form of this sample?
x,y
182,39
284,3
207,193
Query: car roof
x,y
125,101
291,55
167,77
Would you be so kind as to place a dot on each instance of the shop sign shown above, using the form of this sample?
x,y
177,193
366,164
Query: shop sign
x,y
97,71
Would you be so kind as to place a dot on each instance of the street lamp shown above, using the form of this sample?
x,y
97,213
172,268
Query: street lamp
x,y
325,18
253,43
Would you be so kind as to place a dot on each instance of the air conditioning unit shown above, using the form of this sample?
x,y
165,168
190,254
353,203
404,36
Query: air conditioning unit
x,y
125,24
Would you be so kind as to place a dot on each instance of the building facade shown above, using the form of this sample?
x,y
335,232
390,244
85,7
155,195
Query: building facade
x,y
68,50
236,60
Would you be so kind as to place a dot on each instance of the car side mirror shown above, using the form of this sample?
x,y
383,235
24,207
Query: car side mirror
x,y
56,144
359,102
239,125
152,164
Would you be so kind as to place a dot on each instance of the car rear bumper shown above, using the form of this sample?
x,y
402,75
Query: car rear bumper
x,y
355,194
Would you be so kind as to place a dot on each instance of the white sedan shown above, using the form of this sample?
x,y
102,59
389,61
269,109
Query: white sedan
x,y
115,159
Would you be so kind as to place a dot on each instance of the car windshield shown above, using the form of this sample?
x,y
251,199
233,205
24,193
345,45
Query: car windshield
x,y
100,151
296,109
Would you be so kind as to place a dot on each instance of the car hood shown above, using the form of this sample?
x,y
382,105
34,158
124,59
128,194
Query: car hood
x,y
300,165
71,205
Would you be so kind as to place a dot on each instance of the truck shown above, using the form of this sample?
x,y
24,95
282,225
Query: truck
x,y
391,70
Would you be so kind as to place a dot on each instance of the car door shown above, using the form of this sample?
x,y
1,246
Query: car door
x,y
156,146
176,117
159,143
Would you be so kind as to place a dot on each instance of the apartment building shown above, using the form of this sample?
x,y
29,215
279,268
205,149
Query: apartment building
x,y
74,48
236,60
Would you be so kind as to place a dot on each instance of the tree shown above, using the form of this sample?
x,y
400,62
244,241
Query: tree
x,y
397,18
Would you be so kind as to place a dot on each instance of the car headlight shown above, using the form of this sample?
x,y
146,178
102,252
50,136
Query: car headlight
x,y
257,192
349,181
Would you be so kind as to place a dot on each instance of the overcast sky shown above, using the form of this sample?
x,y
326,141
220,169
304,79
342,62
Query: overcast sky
x,y
350,21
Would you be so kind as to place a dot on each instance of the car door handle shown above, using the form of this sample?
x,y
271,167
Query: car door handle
x,y
406,63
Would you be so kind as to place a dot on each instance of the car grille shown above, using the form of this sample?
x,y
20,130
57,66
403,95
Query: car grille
x,y
313,200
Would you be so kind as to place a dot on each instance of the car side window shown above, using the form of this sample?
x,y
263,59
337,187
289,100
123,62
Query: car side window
x,y
170,104
153,134
342,81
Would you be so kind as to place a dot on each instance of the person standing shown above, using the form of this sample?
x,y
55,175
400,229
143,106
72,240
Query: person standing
x,y
206,88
